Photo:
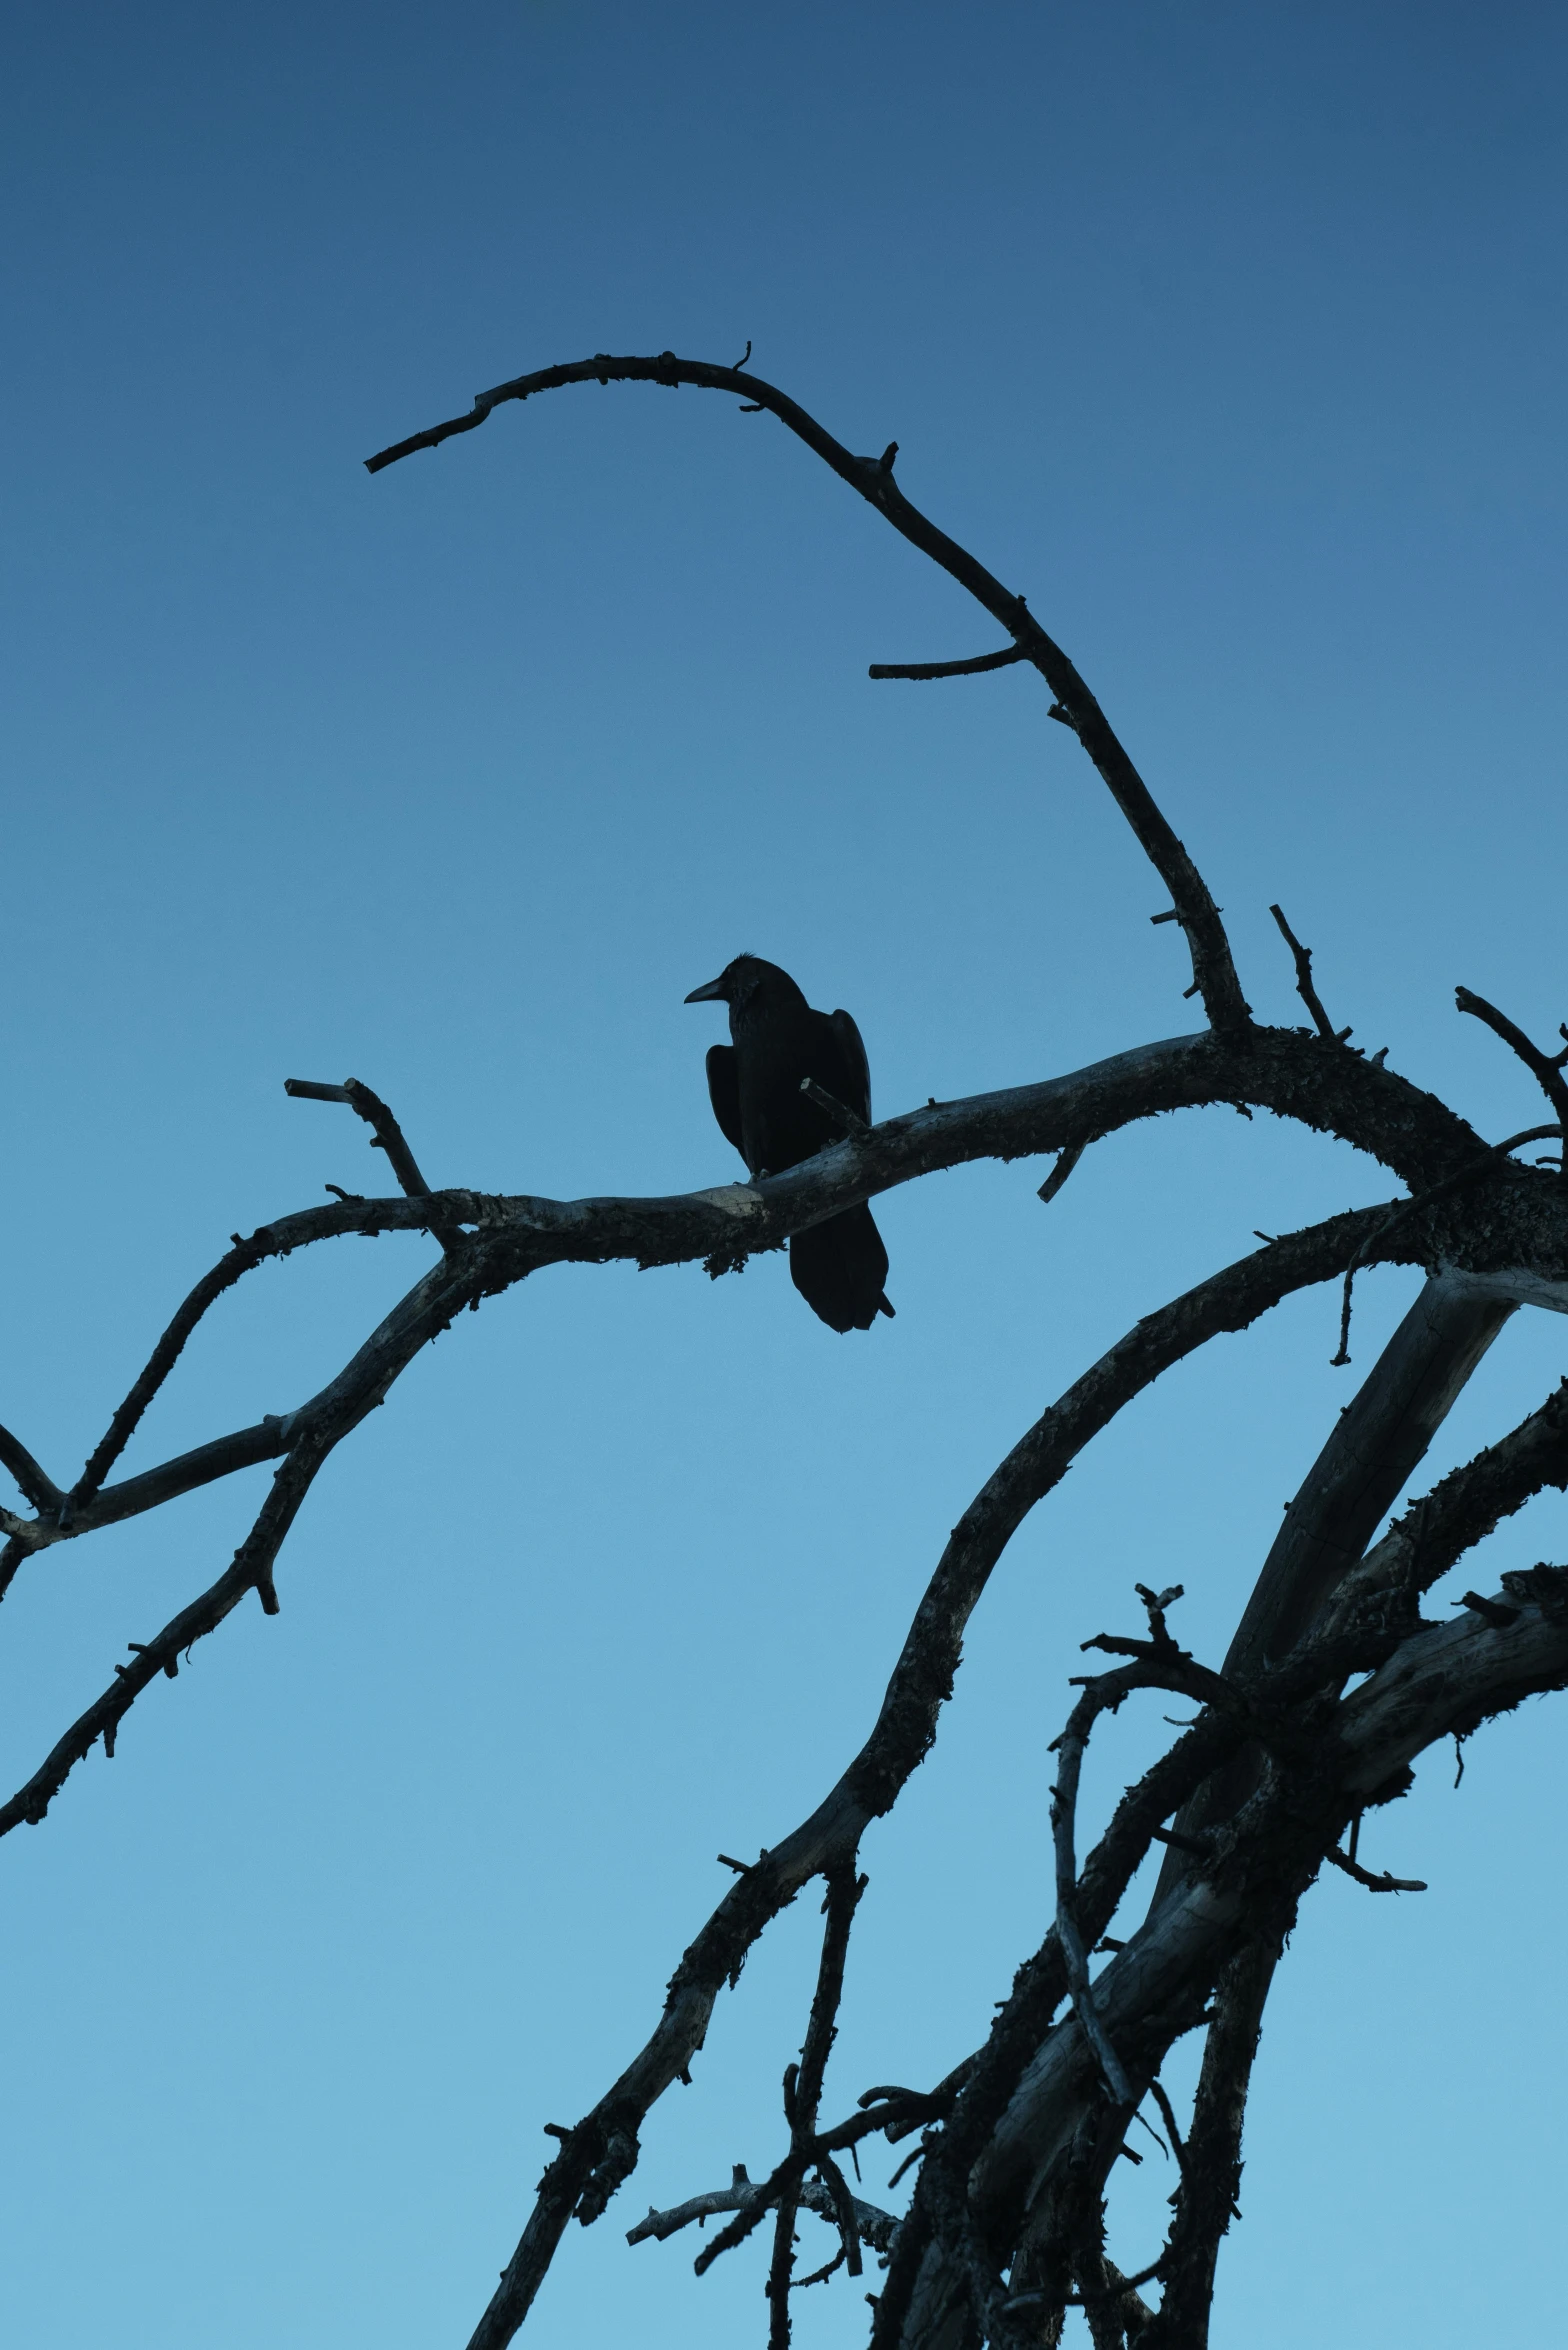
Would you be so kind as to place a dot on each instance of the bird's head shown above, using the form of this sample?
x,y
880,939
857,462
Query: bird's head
x,y
737,983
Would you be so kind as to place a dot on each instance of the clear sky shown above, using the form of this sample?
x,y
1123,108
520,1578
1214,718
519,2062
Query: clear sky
x,y
1231,334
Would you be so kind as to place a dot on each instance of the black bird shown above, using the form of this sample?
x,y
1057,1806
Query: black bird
x,y
839,1266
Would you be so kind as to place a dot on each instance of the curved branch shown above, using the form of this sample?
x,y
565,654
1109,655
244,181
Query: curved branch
x,y
510,1236
1213,970
1545,1068
279,1239
601,2151
240,1259
39,1489
921,672
251,1571
1005,2111
1461,1511
1445,1678
1372,1452
312,1433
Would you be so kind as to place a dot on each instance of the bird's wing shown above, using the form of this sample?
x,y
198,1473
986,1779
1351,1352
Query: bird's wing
x,y
854,1088
724,1092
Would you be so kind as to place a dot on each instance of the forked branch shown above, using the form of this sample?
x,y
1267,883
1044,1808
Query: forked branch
x,y
1545,1068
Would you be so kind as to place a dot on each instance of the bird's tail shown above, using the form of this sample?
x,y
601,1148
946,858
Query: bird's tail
x,y
840,1269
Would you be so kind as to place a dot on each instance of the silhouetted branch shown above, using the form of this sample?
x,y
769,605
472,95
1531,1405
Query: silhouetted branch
x,y
1436,1531
920,1685
1213,970
875,2226
1304,987
251,1571
1205,2199
1486,1163
36,1487
1546,1069
921,670
240,1259
1070,1748
386,1133
311,1433
1378,1881
1373,1450
1067,1160
1443,1677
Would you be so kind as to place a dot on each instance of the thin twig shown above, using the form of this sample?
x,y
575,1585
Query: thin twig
x,y
1168,2115
251,1570
1064,1800
241,1259
920,670
1067,1160
385,1132
1304,987
1375,1882
1545,1068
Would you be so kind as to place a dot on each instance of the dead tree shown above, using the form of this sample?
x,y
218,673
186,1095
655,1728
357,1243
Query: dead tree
x,y
1005,2229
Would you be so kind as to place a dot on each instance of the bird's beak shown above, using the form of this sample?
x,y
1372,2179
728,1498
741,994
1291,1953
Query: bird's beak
x,y
714,993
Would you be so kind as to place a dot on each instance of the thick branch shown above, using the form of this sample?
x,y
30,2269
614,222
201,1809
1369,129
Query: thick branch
x,y
1434,1534
921,1682
1213,971
1211,2170
1438,1680
1282,1071
1373,1450
1445,1678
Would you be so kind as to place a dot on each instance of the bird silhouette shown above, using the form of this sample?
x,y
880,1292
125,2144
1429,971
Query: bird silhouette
x,y
754,1081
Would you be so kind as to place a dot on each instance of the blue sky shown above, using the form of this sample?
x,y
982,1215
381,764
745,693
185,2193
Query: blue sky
x,y
1234,337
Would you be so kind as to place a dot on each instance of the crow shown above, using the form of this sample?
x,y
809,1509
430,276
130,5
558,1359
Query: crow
x,y
839,1266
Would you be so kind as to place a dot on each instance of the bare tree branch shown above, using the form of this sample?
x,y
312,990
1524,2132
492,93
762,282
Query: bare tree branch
x,y
921,670
1304,987
39,1489
313,1432
921,1683
1213,971
1375,1446
1205,2198
386,1134
1018,2142
875,2226
1546,1069
1378,1881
